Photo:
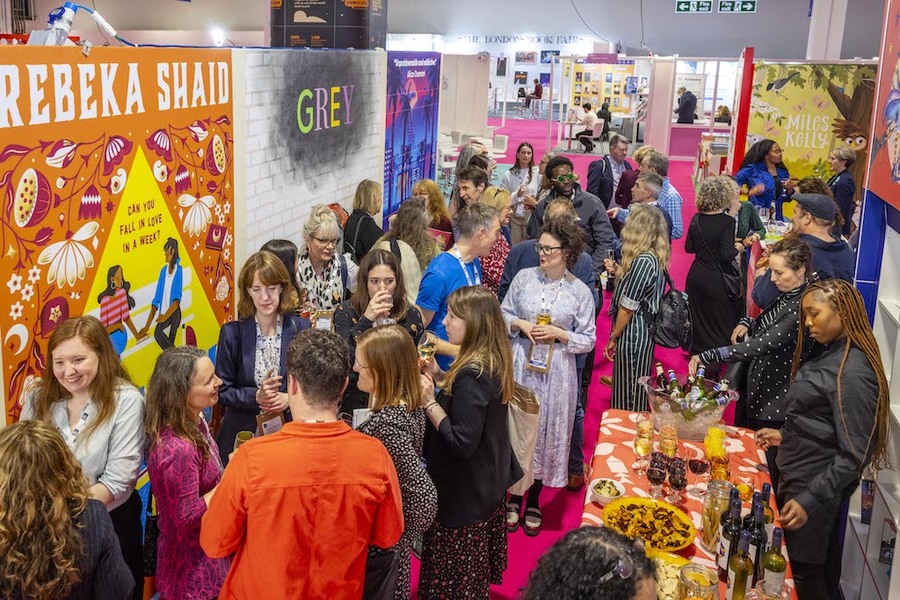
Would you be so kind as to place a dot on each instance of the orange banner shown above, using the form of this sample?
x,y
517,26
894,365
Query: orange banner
x,y
116,174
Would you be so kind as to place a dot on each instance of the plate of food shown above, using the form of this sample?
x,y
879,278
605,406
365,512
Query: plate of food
x,y
668,570
604,491
661,525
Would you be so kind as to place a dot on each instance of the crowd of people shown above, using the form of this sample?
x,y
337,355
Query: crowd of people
x,y
343,445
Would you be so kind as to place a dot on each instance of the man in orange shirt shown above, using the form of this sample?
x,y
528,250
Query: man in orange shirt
x,y
300,507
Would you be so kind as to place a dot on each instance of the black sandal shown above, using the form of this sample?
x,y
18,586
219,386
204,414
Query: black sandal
x,y
534,520
512,516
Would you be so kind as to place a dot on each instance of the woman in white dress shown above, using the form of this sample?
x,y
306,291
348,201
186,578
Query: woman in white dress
x,y
523,181
549,293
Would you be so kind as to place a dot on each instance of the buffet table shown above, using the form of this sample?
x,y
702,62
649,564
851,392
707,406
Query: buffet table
x,y
613,457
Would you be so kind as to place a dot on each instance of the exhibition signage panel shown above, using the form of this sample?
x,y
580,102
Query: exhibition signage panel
x,y
737,6
694,6
359,24
598,59
884,174
411,124
118,173
812,109
598,83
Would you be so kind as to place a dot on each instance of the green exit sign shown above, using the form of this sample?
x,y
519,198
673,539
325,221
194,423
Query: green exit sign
x,y
693,6
737,6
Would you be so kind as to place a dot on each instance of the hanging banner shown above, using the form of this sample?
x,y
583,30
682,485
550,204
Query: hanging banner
x,y
812,109
411,125
884,174
117,175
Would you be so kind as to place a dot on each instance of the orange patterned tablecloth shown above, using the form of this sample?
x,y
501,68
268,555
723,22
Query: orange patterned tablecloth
x,y
614,455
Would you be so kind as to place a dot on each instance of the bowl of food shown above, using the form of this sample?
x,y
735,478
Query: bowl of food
x,y
661,525
668,571
604,491
692,416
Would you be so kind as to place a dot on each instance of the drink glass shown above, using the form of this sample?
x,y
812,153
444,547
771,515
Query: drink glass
x,y
241,438
427,347
744,484
643,424
696,582
543,317
699,466
657,476
642,445
678,482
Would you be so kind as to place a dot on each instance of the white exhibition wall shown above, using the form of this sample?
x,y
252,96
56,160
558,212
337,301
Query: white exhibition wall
x,y
313,128
464,93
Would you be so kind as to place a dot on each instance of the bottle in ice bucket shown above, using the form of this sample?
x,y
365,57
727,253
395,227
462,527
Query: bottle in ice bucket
x,y
661,380
543,316
672,386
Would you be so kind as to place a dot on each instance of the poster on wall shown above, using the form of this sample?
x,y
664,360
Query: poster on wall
x,y
501,66
547,56
356,24
118,177
520,77
591,78
411,126
812,109
526,58
884,174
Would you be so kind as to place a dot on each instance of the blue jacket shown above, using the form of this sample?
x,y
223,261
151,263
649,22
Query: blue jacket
x,y
236,365
757,173
177,280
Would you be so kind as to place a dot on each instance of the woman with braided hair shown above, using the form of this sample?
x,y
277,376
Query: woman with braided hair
x,y
836,427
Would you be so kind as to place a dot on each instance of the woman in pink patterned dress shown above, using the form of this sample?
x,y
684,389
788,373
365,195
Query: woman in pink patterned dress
x,y
493,264
185,469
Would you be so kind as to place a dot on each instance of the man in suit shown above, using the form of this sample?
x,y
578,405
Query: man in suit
x,y
687,105
604,174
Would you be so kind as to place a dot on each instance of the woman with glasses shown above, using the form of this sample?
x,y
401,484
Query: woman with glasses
x,y
252,350
324,272
492,265
549,310
593,563
381,300
639,286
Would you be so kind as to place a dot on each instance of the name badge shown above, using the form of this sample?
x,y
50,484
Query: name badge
x,y
360,416
539,356
324,320
520,209
267,422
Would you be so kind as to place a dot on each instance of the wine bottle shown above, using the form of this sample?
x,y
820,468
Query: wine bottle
x,y
749,523
768,512
740,570
774,565
728,542
758,542
661,380
722,547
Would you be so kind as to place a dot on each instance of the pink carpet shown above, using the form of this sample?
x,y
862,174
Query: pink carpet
x,y
561,508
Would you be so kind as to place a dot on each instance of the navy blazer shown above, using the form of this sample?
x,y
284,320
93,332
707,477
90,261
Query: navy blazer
x,y
600,179
235,365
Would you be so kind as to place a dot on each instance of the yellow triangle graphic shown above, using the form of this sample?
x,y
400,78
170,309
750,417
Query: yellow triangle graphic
x,y
134,245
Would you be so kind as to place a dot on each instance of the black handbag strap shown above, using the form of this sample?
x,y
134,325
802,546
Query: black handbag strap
x,y
711,255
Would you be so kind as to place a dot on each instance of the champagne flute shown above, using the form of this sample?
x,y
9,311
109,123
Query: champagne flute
x,y
642,445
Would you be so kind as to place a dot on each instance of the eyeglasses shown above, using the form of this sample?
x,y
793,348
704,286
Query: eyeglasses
x,y
327,242
546,249
623,568
565,178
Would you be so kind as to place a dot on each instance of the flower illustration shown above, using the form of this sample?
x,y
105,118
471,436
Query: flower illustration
x,y
227,207
228,239
55,314
15,283
218,211
160,171
198,131
69,260
116,149
60,183
34,274
198,215
117,183
182,180
61,154
15,311
160,143
227,253
222,289
27,292
90,204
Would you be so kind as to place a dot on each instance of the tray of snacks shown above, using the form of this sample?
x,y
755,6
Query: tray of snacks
x,y
668,569
661,525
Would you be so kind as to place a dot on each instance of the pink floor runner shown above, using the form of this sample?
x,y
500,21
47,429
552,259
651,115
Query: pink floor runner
x,y
561,508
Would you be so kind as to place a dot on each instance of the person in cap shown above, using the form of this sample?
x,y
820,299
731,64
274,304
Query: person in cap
x,y
813,222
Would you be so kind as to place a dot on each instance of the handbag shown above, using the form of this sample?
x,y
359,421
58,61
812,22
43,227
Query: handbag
x,y
732,281
151,536
382,573
523,415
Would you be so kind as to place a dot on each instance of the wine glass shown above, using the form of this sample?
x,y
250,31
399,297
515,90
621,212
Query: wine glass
x,y
657,476
699,466
427,347
677,481
241,438
642,445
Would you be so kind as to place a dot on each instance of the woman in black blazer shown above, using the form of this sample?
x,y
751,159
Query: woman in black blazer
x,y
251,353
468,452
843,186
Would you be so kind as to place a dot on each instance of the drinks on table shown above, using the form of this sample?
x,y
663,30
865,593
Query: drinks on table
x,y
740,570
729,537
716,503
774,564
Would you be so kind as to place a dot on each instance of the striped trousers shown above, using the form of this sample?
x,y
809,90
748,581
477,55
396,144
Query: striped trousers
x,y
634,357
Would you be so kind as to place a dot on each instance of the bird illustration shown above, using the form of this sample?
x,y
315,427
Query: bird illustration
x,y
777,85
851,134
